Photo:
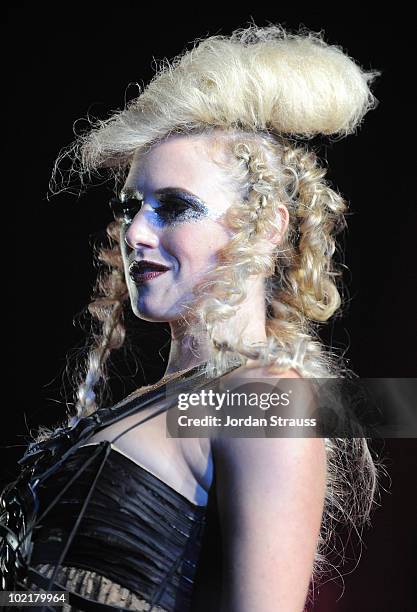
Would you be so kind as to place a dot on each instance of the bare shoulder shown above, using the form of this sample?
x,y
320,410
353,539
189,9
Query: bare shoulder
x,y
254,370
253,461
252,458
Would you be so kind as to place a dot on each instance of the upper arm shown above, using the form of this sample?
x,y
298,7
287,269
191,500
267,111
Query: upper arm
x,y
270,495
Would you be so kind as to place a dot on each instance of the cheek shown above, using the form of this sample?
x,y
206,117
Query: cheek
x,y
196,243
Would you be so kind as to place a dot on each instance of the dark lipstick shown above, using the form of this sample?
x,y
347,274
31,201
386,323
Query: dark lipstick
x,y
142,271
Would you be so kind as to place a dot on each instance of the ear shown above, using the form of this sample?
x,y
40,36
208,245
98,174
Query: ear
x,y
283,218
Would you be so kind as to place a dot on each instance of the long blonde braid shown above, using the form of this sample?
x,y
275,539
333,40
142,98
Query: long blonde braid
x,y
107,308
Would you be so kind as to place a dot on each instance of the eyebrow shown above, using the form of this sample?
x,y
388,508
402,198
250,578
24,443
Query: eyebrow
x,y
172,190
132,192
189,196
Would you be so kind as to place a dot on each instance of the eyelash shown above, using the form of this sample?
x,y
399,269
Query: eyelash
x,y
172,207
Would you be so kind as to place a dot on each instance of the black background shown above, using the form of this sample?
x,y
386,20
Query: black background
x,y
65,61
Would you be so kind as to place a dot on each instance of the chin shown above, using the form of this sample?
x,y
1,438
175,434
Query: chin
x,y
157,312
153,315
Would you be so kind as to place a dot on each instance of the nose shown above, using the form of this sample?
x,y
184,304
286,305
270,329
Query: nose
x,y
141,232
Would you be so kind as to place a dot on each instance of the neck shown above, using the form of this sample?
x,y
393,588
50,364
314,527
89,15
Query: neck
x,y
189,349
186,351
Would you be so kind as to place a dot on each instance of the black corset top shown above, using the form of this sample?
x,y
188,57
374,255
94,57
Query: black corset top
x,y
135,529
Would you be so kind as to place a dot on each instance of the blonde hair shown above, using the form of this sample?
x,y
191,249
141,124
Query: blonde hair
x,y
253,95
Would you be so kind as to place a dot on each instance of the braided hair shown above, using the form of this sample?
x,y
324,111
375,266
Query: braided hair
x,y
107,308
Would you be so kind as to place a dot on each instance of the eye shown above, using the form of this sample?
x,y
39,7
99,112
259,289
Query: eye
x,y
171,208
125,211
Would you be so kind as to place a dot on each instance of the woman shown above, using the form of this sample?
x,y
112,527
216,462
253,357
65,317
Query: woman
x,y
225,228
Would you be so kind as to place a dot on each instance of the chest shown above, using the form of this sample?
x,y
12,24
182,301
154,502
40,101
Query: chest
x,y
185,464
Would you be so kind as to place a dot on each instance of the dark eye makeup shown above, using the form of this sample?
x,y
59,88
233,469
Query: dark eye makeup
x,y
125,210
175,206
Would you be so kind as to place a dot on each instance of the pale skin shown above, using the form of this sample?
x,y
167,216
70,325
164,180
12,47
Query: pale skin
x,y
270,492
189,248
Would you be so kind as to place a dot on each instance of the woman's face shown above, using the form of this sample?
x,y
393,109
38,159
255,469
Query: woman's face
x,y
177,226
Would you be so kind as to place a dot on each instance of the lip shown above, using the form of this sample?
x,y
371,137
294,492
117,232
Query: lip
x,y
143,271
